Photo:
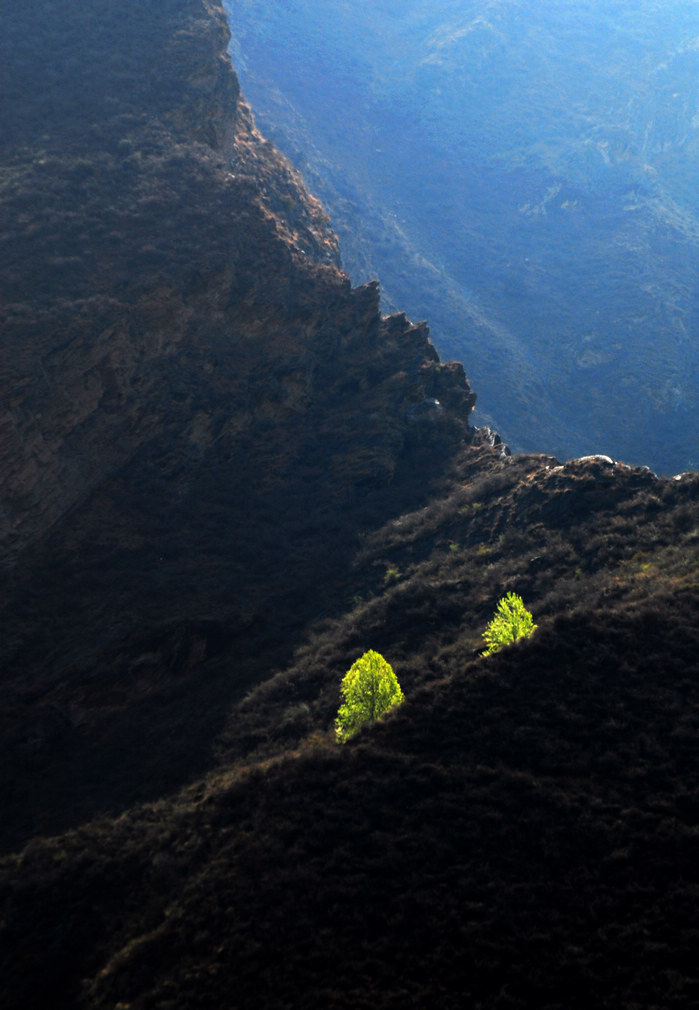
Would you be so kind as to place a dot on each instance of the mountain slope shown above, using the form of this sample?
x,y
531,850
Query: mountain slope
x,y
198,412
225,475
521,831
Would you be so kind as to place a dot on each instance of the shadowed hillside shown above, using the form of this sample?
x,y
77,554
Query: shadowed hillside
x,y
521,832
224,476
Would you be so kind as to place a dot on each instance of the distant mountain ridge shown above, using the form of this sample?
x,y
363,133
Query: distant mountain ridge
x,y
524,177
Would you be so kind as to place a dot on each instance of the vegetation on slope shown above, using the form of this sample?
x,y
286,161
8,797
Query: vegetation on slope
x,y
511,621
369,690
299,484
585,536
521,830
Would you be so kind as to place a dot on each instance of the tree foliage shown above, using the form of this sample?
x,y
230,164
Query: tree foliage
x,y
511,621
369,689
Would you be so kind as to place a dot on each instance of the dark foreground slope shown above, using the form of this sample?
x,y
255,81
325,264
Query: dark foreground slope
x,y
224,476
521,832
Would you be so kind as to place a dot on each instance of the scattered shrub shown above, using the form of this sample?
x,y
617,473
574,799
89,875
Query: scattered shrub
x,y
369,689
511,621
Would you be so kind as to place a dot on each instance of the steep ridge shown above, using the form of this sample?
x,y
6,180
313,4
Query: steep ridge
x,y
230,476
198,412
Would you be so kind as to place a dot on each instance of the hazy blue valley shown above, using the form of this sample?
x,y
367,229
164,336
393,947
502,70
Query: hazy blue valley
x,y
524,177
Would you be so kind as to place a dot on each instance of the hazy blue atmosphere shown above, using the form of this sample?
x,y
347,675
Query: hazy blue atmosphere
x,y
524,176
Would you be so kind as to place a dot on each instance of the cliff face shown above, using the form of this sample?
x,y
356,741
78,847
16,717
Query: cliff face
x,y
198,413
157,253
128,199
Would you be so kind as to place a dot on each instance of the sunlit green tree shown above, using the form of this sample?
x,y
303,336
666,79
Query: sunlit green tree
x,y
369,689
511,621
